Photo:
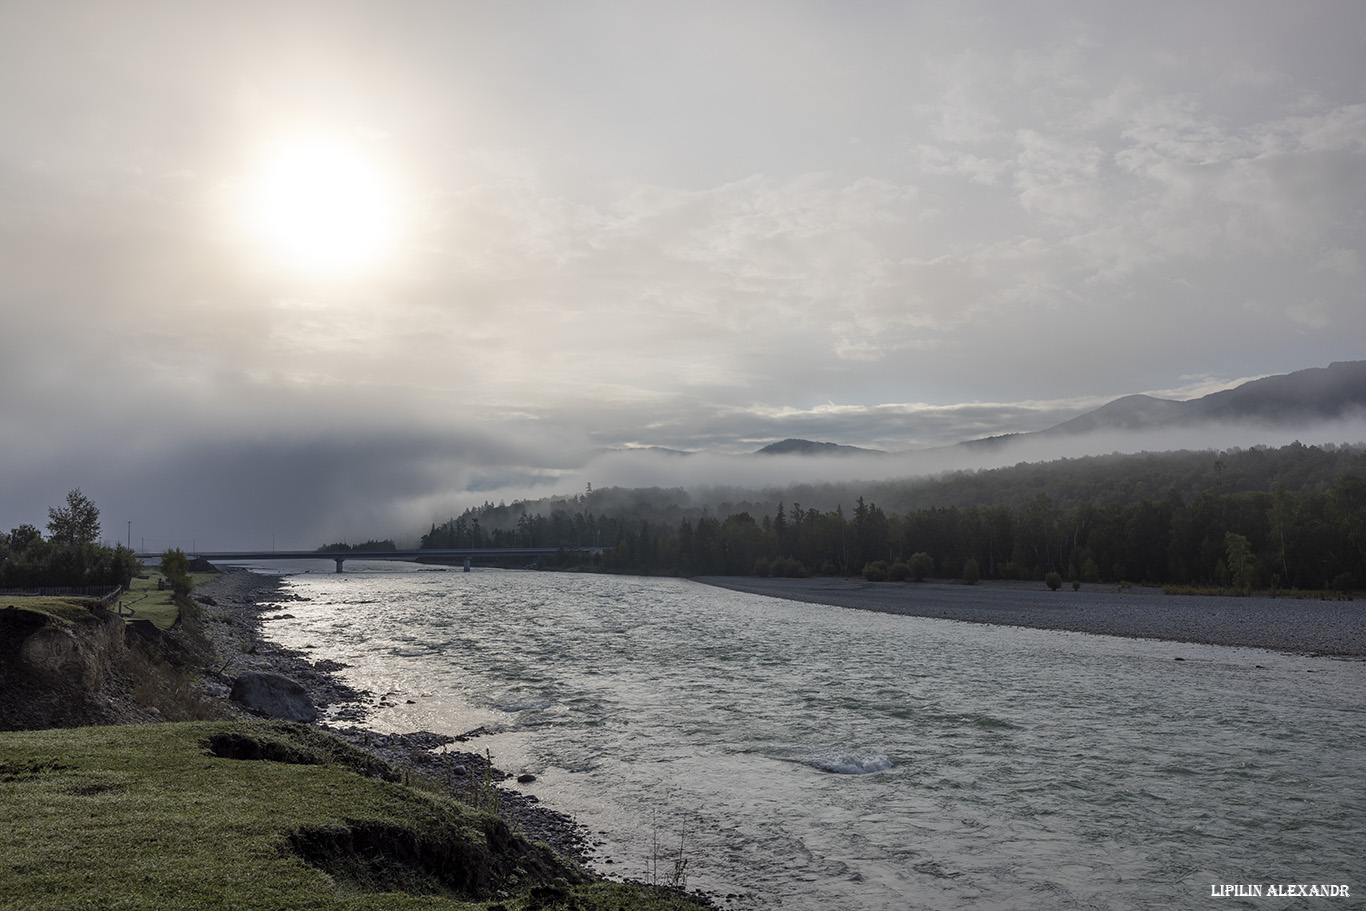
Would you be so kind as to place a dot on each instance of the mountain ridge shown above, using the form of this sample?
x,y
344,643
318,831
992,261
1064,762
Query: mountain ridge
x,y
810,447
1285,400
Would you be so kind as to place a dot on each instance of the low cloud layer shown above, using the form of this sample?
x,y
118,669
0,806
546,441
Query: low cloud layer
x,y
304,493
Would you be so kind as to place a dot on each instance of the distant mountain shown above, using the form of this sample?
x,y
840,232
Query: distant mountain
x,y
1133,412
1320,393
1287,400
662,450
808,447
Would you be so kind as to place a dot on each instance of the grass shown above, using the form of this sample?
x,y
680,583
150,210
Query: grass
x,y
63,611
142,601
152,816
145,601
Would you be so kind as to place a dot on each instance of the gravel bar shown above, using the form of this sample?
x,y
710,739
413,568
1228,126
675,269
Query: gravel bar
x,y
1299,625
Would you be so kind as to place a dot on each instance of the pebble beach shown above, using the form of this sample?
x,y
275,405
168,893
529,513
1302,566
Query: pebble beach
x,y
1301,625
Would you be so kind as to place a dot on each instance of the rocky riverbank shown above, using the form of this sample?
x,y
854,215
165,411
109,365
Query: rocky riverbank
x,y
237,604
1306,626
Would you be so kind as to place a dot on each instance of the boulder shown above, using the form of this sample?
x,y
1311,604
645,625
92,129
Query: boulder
x,y
273,696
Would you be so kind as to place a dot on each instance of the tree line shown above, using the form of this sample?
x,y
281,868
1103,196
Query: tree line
x,y
370,545
69,555
1293,517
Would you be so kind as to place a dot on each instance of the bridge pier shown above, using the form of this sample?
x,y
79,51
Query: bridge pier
x,y
339,562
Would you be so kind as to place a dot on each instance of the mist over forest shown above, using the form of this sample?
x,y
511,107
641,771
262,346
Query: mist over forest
x,y
1248,518
1315,405
1115,478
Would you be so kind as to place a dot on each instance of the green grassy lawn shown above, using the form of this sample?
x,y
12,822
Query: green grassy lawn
x,y
144,601
147,816
62,610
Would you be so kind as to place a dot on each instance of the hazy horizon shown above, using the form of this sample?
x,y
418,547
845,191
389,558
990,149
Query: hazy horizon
x,y
306,271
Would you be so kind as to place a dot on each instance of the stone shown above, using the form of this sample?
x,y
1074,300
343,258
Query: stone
x,y
273,696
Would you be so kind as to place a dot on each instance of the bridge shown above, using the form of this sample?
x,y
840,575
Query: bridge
x,y
465,554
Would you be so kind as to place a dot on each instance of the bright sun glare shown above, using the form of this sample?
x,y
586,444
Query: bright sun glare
x,y
321,208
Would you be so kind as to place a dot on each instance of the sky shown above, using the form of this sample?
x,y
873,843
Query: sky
x,y
301,272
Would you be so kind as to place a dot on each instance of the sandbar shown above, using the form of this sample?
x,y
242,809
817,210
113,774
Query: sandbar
x,y
1300,625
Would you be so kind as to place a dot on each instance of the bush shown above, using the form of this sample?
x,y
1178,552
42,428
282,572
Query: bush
x,y
971,574
789,568
175,566
1053,581
922,564
1344,582
875,571
762,568
899,571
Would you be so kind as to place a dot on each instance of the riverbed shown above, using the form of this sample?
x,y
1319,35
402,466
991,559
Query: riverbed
x,y
798,755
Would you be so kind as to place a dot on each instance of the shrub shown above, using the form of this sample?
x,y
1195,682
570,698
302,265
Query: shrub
x,y
971,574
175,566
922,564
875,571
899,571
762,568
1053,581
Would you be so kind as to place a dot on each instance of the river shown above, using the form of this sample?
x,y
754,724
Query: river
x,y
799,756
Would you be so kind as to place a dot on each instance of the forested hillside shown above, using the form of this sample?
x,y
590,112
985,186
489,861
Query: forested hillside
x,y
1256,518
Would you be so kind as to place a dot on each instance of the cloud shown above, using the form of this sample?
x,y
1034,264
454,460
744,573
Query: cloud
x,y
647,226
711,478
1346,263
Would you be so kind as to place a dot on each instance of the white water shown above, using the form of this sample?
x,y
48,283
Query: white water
x,y
811,757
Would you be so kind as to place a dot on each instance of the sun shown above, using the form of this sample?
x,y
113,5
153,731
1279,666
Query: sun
x,y
322,208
